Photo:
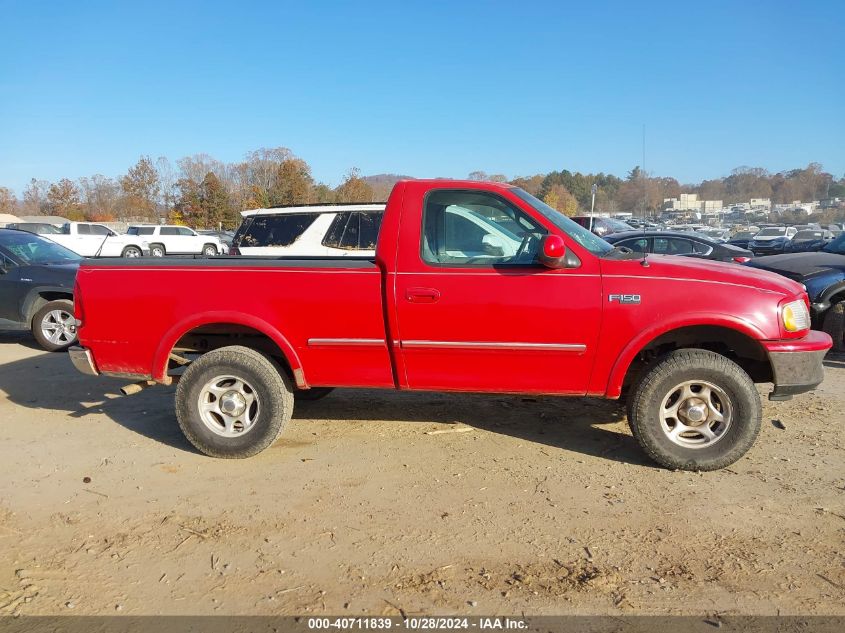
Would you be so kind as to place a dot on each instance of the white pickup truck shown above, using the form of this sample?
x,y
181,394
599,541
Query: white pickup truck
x,y
169,239
96,240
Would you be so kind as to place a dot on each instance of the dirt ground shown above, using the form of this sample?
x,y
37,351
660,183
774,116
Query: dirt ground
x,y
546,506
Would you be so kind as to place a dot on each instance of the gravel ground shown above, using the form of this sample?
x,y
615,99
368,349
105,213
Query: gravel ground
x,y
535,505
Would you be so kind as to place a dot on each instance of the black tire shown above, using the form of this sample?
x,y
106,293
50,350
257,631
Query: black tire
x,y
131,251
209,250
157,250
43,319
268,382
661,380
834,324
309,395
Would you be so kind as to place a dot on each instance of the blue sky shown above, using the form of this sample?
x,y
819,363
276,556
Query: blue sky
x,y
422,88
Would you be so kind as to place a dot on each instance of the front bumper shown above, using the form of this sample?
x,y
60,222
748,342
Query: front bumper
x,y
83,361
797,364
759,250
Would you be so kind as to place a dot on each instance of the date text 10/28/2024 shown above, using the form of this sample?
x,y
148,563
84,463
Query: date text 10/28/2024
x,y
417,623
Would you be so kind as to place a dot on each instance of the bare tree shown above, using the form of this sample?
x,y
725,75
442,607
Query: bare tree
x,y
8,202
101,197
35,197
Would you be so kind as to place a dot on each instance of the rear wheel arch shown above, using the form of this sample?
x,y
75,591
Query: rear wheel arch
x,y
740,344
222,330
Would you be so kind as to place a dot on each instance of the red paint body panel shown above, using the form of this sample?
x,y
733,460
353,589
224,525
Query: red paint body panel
x,y
133,316
406,324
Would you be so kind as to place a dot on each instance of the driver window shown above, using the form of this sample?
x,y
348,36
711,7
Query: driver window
x,y
475,228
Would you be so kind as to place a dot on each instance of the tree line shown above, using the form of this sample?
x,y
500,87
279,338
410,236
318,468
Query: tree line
x,y
204,192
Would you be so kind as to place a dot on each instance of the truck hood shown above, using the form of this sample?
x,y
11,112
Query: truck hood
x,y
801,266
688,268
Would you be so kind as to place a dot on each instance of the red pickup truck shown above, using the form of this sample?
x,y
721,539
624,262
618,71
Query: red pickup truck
x,y
474,287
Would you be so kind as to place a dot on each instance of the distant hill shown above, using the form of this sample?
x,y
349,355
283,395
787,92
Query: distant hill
x,y
384,179
383,183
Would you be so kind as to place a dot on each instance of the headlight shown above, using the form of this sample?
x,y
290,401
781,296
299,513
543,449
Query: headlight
x,y
795,316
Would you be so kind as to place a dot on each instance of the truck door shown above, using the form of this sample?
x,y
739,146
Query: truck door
x,y
476,312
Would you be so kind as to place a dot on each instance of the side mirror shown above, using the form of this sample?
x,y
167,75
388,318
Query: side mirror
x,y
552,252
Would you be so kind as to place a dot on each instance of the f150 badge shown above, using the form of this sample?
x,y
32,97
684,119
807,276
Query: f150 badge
x,y
624,298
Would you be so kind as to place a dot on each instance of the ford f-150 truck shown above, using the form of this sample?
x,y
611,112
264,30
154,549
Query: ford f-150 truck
x,y
522,301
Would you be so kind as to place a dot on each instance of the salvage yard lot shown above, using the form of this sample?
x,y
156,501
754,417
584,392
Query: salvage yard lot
x,y
545,506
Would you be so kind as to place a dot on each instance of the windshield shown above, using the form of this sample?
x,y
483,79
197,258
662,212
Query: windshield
x,y
618,226
31,249
772,232
802,236
743,235
585,238
836,246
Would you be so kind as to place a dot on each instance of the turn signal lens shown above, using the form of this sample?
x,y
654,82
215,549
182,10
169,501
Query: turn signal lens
x,y
795,316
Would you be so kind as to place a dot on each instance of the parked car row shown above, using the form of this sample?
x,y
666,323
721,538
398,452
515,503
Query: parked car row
x,y
90,239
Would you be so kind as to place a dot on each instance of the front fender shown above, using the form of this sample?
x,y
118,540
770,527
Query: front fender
x,y
642,340
172,336
822,293
33,300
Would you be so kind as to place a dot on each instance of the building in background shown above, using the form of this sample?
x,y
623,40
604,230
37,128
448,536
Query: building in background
x,y
690,202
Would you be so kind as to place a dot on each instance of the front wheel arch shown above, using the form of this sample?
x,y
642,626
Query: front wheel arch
x,y
739,344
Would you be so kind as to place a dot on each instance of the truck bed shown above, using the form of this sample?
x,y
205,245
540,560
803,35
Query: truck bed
x,y
292,301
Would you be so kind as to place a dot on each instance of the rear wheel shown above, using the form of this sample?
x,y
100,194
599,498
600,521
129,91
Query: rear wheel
x,y
834,324
309,395
695,410
54,327
233,402
157,250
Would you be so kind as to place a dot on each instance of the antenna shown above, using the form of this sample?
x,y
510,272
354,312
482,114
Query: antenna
x,y
644,262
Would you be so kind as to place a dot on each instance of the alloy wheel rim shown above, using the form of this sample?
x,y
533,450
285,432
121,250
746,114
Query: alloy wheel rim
x,y
59,327
696,414
228,406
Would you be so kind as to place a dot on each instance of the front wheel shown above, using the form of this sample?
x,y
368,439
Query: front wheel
x,y
131,251
54,326
157,250
209,250
695,410
233,402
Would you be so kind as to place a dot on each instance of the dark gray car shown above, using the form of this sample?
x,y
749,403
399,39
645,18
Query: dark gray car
x,y
36,288
683,243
